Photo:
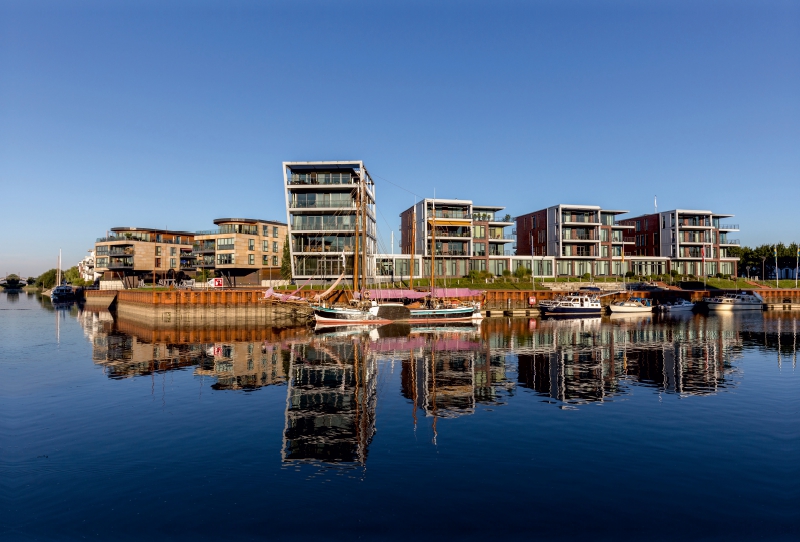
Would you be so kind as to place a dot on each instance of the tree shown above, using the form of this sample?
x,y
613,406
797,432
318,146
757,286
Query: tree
x,y
286,261
73,276
31,281
47,279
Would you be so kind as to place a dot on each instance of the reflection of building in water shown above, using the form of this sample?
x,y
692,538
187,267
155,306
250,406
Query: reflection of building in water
x,y
446,371
238,358
586,360
331,399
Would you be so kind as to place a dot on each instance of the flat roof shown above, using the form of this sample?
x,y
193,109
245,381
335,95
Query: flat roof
x,y
312,166
248,221
151,230
489,207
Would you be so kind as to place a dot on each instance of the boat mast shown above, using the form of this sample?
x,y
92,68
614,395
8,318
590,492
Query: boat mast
x,y
433,248
58,270
355,249
364,248
413,242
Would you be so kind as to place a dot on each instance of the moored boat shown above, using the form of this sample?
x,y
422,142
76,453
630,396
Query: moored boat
x,y
631,305
735,302
577,304
680,305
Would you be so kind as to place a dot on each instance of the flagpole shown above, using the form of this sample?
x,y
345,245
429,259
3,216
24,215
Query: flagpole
x,y
775,253
796,265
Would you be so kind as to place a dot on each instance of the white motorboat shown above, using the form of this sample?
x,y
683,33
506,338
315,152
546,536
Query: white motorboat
x,y
632,305
679,306
577,304
736,302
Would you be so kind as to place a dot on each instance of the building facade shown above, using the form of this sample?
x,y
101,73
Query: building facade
x,y
578,239
330,211
687,238
244,251
467,237
135,254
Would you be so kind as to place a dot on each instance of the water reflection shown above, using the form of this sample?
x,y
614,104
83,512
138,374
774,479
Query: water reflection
x,y
332,379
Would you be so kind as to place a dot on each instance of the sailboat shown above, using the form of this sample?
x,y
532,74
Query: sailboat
x,y
62,293
378,307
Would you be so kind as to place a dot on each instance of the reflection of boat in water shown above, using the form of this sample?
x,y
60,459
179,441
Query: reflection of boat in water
x,y
735,302
638,316
631,305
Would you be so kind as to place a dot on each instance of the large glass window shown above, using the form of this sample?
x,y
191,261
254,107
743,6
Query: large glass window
x,y
225,243
303,200
479,232
479,249
101,250
225,259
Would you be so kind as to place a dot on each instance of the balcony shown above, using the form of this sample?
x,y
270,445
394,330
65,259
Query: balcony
x,y
451,214
120,264
729,242
120,252
579,238
452,253
321,179
188,266
496,239
323,204
729,227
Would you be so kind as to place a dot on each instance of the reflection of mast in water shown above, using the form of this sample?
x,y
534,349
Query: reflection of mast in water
x,y
330,402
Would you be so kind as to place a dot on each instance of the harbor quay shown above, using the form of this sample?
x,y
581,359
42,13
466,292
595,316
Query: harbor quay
x,y
250,305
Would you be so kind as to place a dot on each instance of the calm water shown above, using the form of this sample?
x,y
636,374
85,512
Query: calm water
x,y
681,428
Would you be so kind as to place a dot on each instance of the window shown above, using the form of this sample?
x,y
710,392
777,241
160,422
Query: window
x,y
251,244
172,263
265,231
225,243
274,246
265,247
102,250
638,225
479,249
102,262
172,251
605,251
274,260
251,259
477,265
265,260
225,259
604,235
479,232
275,231
158,251
158,262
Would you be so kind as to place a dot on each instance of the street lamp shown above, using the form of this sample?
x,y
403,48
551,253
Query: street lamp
x,y
763,274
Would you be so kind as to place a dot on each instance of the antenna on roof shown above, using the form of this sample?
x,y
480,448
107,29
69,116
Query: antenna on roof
x,y
655,203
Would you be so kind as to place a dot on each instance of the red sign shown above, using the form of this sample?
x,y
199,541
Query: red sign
x,y
216,283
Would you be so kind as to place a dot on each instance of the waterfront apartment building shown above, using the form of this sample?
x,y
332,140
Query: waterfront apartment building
x,y
466,237
330,211
577,240
139,253
244,251
687,238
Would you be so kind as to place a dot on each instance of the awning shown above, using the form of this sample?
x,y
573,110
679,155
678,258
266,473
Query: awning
x,y
449,221
383,295
457,292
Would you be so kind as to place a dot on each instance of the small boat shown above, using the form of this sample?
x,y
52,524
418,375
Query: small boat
x,y
577,304
680,305
62,294
632,305
735,302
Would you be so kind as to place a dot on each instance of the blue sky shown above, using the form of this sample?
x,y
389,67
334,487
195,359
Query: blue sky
x,y
137,114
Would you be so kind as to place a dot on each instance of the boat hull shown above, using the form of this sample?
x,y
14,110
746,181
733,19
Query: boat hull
x,y
731,307
629,310
578,312
390,314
